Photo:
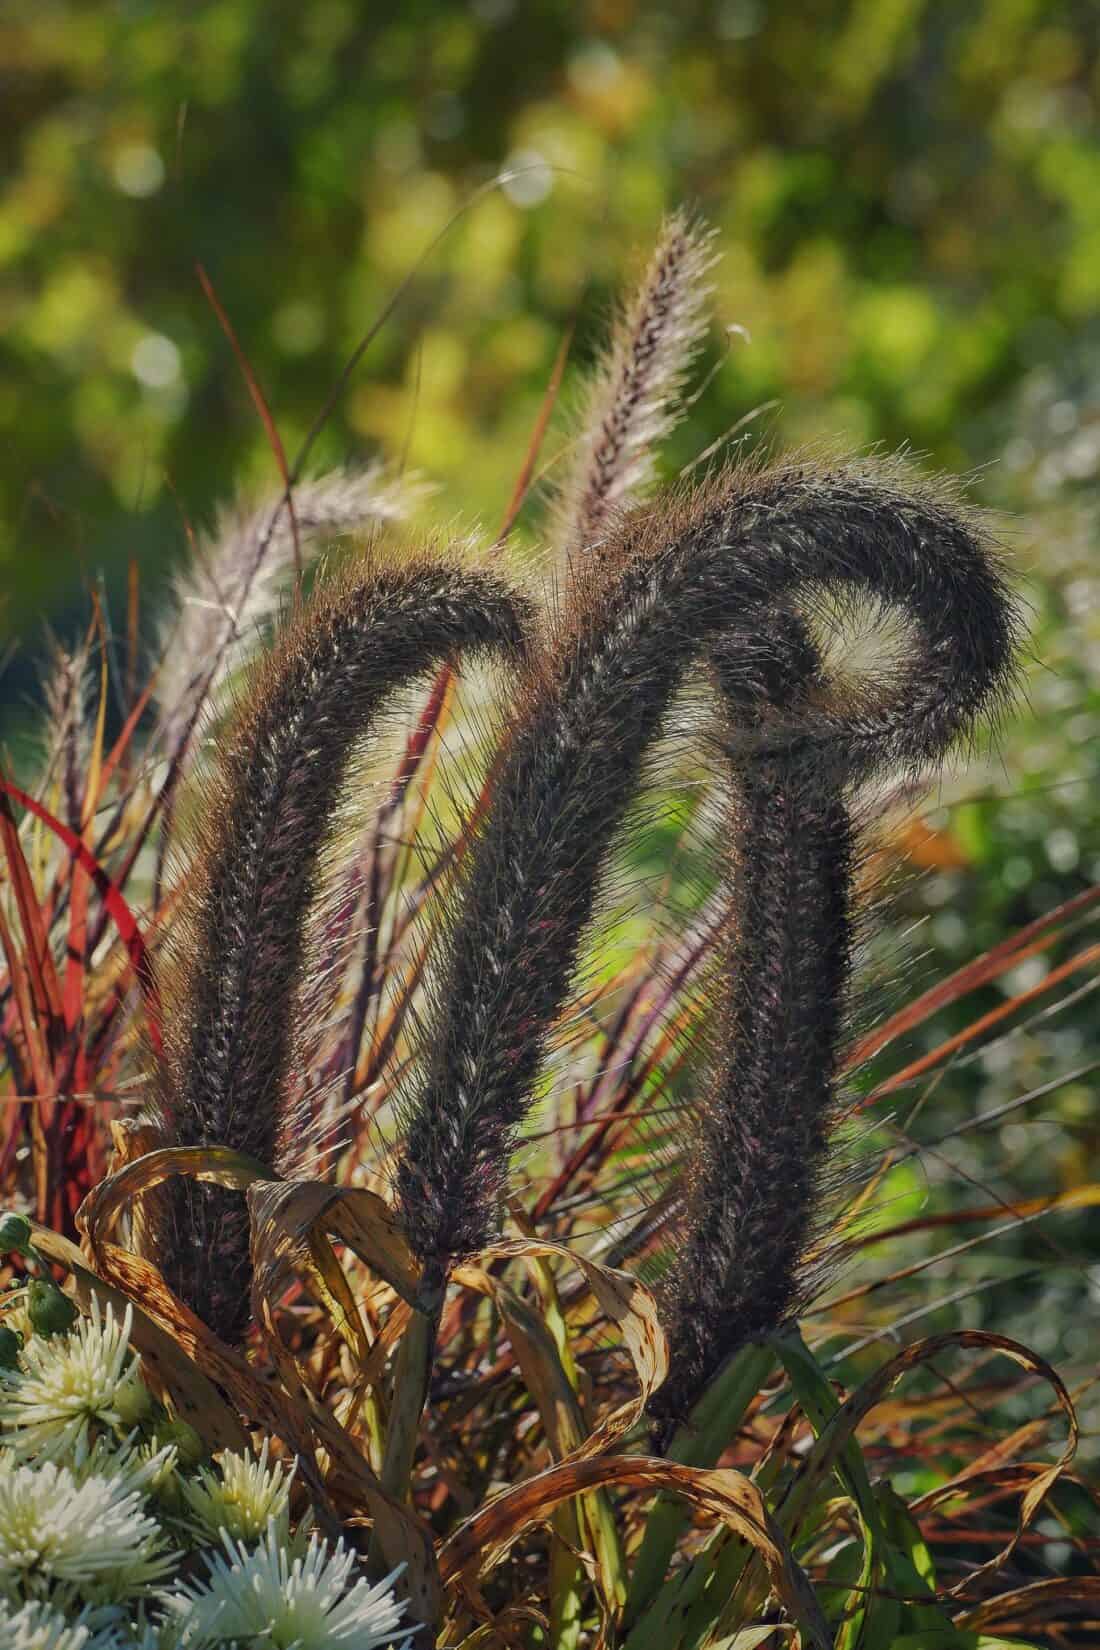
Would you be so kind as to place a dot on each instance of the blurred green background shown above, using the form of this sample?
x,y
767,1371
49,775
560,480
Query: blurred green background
x,y
908,201
908,196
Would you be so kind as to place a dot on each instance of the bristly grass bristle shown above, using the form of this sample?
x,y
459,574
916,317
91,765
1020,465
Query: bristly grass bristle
x,y
426,1327
705,569
264,824
634,396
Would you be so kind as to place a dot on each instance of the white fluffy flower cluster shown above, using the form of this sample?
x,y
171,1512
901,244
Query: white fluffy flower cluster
x,y
70,1389
101,1520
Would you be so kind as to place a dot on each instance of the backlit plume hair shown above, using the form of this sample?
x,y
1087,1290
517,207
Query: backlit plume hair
x,y
232,587
732,580
633,397
265,822
704,575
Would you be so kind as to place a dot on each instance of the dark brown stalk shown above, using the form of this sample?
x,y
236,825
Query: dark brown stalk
x,y
265,823
666,590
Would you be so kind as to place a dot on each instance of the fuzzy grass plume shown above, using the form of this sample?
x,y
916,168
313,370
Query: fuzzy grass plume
x,y
234,583
799,747
633,398
240,939
677,580
492,1434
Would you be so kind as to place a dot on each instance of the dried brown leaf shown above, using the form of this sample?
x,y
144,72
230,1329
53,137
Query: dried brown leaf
x,y
483,1540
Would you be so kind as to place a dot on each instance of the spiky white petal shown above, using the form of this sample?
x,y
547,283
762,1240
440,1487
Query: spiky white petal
x,y
121,1631
42,1625
89,1532
37,1626
312,1601
142,1466
243,1497
69,1383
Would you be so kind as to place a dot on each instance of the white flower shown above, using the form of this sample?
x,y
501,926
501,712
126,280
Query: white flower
x,y
89,1532
244,1498
70,1381
39,1625
35,1626
263,1596
143,1467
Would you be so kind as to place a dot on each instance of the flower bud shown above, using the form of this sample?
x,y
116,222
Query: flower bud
x,y
15,1234
189,1445
50,1312
133,1400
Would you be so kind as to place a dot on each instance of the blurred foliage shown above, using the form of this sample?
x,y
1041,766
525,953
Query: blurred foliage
x,y
907,194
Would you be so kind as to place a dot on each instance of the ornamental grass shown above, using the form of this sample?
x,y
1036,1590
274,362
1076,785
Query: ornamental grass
x,y
439,1073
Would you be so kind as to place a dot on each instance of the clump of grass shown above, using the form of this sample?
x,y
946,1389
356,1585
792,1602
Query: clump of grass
x,y
534,1336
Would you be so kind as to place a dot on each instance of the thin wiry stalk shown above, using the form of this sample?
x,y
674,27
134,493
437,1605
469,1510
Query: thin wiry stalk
x,y
241,938
606,1103
633,397
234,583
667,589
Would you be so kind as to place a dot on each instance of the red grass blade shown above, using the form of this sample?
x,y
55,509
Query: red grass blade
x,y
76,948
527,469
121,914
24,1013
1082,959
45,988
989,966
122,743
261,406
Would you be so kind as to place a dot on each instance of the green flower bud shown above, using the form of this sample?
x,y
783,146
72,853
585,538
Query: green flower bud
x,y
15,1234
168,1489
9,1348
133,1400
189,1445
49,1311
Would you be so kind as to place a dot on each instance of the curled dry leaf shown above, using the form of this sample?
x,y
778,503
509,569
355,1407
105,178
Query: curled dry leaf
x,y
291,1221
292,1225
295,1212
630,1306
545,1376
1022,1603
292,1414
484,1539
105,1203
987,1484
132,1138
141,1282
538,1359
402,1537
